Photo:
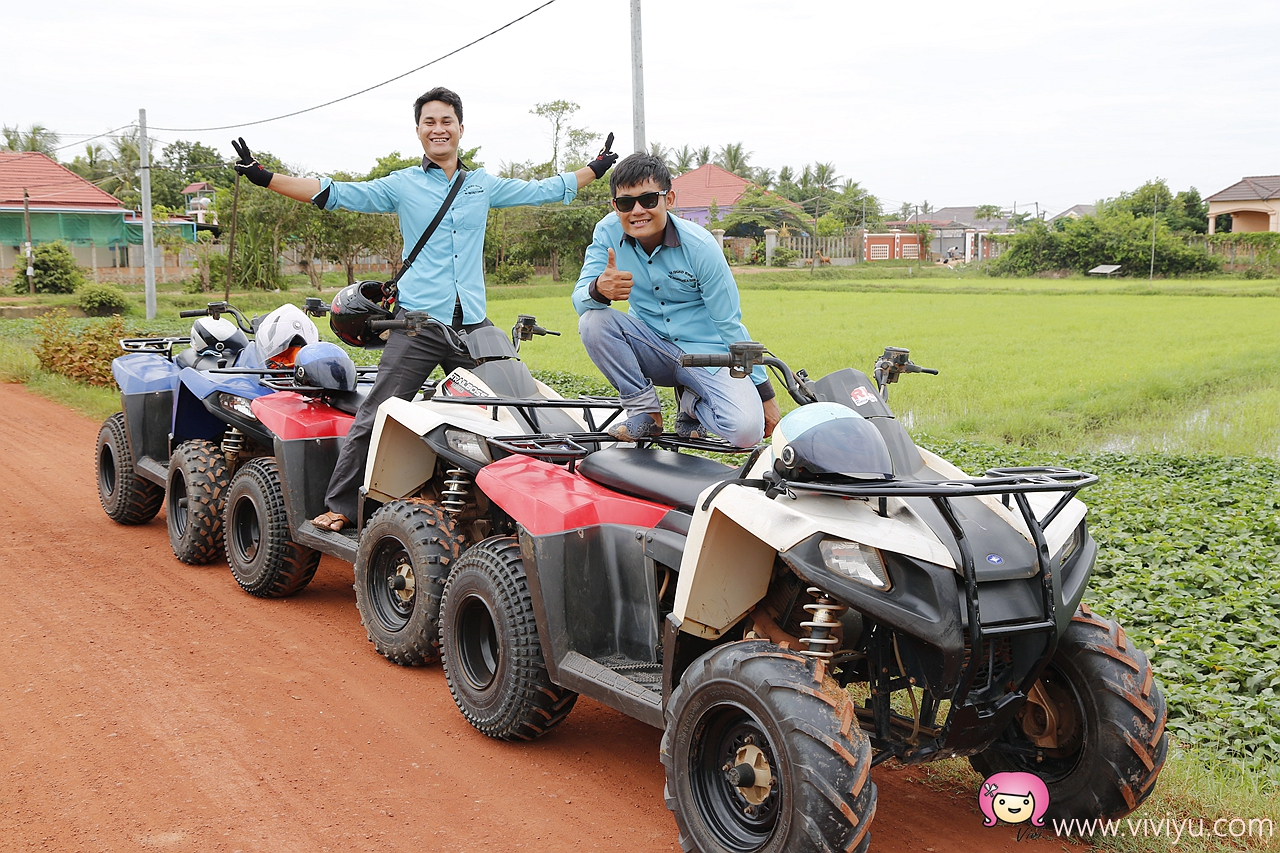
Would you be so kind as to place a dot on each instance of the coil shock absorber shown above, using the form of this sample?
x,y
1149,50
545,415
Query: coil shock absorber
x,y
457,484
824,619
232,445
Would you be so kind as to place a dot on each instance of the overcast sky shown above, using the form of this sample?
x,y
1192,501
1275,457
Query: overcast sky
x,y
958,103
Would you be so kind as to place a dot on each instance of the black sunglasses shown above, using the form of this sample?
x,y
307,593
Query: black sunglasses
x,y
648,201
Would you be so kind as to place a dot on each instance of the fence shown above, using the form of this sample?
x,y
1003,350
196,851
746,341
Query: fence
x,y
843,250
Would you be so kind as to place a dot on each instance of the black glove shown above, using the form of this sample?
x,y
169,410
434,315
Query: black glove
x,y
248,166
604,159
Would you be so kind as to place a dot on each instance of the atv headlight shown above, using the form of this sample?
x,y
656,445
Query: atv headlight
x,y
1073,544
855,561
469,445
239,405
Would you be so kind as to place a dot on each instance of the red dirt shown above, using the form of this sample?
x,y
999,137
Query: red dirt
x,y
149,704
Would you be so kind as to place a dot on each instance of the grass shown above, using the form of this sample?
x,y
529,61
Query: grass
x,y
1192,786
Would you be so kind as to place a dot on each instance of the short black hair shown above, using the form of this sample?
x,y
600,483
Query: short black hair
x,y
637,168
444,96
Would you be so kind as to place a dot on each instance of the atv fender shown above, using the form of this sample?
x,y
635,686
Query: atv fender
x,y
729,557
400,462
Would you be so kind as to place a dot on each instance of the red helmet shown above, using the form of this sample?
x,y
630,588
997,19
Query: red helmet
x,y
353,307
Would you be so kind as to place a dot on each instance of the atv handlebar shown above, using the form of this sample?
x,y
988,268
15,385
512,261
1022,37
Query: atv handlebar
x,y
526,328
216,310
417,322
745,355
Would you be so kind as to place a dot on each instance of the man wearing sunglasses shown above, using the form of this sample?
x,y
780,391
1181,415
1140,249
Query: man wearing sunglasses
x,y
682,299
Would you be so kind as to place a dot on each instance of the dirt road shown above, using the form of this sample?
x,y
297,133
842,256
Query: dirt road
x,y
146,704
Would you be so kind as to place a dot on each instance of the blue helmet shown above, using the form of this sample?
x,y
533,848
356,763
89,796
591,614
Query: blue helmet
x,y
828,438
325,365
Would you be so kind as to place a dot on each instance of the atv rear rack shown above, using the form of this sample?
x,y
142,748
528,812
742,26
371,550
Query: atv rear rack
x,y
158,345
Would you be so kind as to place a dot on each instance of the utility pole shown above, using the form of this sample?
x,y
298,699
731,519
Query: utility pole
x,y
148,237
26,218
231,240
637,80
1152,275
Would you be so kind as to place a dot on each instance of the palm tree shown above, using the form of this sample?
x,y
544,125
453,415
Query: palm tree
x,y
824,175
764,177
36,138
684,158
734,158
703,155
663,153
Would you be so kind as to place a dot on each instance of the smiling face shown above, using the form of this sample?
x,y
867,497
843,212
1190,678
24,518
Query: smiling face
x,y
1014,808
440,132
645,226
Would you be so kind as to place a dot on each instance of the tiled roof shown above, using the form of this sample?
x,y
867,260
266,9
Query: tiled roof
x,y
1250,189
198,186
48,184
1076,211
697,188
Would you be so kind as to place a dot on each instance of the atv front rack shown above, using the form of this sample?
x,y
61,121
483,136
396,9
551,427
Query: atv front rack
x,y
158,345
528,408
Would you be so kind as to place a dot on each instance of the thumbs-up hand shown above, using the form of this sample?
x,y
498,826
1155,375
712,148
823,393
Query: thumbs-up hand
x,y
614,284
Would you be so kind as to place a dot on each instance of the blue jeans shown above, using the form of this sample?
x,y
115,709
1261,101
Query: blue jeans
x,y
634,359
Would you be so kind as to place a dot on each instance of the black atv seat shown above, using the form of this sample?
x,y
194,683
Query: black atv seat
x,y
661,476
349,401
208,361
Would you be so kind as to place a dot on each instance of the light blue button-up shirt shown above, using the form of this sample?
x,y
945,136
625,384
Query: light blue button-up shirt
x,y
450,267
684,291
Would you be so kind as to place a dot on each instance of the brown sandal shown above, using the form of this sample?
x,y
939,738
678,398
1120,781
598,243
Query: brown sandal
x,y
328,520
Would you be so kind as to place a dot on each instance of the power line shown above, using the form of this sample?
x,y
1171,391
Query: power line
x,y
362,91
91,138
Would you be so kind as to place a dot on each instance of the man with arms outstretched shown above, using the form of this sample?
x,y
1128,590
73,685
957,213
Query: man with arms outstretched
x,y
447,278
682,299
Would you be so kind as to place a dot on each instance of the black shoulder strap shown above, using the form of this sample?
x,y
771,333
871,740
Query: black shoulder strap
x,y
426,235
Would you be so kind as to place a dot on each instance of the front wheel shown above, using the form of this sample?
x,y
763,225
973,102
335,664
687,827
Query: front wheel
x,y
405,554
263,557
1102,742
125,497
490,650
760,758
194,498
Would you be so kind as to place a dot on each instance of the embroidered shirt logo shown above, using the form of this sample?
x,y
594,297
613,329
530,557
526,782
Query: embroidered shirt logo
x,y
474,189
685,277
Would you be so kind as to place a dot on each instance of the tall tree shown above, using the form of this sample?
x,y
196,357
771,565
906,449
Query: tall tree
x,y
703,155
35,138
734,158
558,113
683,160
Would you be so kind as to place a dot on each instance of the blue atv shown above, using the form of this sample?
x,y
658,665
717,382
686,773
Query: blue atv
x,y
185,423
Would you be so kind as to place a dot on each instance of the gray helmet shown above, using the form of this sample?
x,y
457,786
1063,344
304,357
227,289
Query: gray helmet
x,y
828,438
217,337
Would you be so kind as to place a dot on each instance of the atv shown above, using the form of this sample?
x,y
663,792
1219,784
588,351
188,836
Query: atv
x,y
412,526
840,598
185,422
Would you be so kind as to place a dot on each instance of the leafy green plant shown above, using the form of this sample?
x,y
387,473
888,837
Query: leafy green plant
x,y
98,300
83,354
784,257
513,272
55,268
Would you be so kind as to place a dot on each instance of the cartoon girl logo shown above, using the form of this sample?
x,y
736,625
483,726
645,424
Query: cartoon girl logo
x,y
1014,798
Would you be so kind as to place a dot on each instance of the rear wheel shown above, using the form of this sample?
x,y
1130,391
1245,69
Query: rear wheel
x,y
263,557
760,757
489,645
194,500
405,554
126,497
1097,724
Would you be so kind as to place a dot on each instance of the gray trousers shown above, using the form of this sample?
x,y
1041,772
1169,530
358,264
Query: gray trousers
x,y
406,363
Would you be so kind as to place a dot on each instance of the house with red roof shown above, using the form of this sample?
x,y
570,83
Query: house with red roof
x,y
63,206
697,189
1252,203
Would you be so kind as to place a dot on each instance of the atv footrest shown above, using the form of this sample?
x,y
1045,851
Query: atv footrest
x,y
633,687
341,544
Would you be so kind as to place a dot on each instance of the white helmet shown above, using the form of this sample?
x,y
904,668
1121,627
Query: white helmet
x,y
217,337
283,328
828,438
